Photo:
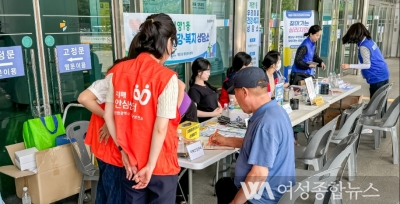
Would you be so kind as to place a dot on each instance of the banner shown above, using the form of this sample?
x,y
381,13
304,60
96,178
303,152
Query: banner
x,y
296,23
196,35
253,30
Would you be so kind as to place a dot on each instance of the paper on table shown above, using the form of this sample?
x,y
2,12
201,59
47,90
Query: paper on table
x,y
215,147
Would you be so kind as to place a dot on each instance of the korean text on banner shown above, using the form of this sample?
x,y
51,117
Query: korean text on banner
x,y
11,62
72,58
253,30
196,35
296,23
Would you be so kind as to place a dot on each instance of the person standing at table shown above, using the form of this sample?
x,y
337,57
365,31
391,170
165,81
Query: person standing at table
x,y
267,150
142,111
305,54
202,93
373,66
240,61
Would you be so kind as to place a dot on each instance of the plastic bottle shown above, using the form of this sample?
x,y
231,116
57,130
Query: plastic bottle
x,y
225,110
291,93
316,87
181,143
26,199
231,105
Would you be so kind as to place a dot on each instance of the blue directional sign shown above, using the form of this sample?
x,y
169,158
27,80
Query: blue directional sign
x,y
72,58
11,62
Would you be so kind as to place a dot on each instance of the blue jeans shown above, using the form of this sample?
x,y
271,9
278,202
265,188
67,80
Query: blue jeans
x,y
109,188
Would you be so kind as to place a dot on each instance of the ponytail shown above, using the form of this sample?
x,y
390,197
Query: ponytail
x,y
313,29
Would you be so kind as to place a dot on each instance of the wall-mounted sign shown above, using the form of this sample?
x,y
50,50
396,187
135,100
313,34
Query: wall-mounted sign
x,y
11,62
72,58
253,30
196,35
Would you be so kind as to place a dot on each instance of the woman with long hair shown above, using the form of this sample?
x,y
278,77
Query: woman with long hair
x,y
307,59
240,61
142,113
373,66
271,65
202,93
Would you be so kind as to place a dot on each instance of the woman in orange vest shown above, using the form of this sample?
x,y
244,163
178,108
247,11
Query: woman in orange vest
x,y
142,113
109,189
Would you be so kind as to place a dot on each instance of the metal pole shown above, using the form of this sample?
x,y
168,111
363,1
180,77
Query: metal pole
x,y
239,26
118,28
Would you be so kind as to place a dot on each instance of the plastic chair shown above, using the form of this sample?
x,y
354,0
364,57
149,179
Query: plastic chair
x,y
340,155
315,152
312,182
75,131
387,123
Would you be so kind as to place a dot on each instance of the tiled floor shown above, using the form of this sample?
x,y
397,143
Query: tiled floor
x,y
375,167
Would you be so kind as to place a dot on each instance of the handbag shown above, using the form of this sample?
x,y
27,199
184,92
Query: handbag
x,y
42,132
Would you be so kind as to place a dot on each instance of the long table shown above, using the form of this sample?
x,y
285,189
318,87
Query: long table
x,y
297,116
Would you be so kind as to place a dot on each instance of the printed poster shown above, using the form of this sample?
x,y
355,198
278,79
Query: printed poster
x,y
196,35
296,23
253,30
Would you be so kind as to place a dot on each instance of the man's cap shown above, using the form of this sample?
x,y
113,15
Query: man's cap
x,y
249,77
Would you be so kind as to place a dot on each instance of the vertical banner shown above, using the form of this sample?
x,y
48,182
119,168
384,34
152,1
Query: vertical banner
x,y
296,23
253,30
197,35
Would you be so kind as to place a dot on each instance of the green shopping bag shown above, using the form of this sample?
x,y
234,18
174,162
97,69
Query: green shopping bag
x,y
42,132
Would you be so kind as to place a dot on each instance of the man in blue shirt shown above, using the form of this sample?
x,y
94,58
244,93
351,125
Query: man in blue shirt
x,y
265,168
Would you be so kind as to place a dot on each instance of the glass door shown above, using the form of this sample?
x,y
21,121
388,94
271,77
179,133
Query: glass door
x,y
75,23
19,77
30,85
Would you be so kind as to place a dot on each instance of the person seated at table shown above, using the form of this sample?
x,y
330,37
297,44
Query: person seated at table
x,y
202,93
272,65
240,61
266,153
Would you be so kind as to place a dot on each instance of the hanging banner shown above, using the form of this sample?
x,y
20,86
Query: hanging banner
x,y
253,30
296,23
196,35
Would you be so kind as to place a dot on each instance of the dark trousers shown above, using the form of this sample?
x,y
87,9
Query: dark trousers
x,y
226,190
295,77
109,189
374,87
160,190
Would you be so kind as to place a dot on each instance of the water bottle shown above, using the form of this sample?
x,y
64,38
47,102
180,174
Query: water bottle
x,y
291,93
181,143
26,199
231,105
225,110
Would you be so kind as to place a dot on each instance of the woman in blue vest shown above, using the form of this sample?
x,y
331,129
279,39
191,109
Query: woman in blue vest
x,y
306,53
373,66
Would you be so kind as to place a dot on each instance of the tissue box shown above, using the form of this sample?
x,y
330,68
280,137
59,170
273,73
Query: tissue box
x,y
190,130
25,159
237,115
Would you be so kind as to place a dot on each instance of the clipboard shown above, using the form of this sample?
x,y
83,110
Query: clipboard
x,y
312,63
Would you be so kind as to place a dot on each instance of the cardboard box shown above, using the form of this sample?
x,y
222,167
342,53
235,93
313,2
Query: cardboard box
x,y
347,102
190,130
25,159
57,176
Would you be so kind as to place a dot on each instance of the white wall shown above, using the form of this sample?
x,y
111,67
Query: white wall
x,y
395,39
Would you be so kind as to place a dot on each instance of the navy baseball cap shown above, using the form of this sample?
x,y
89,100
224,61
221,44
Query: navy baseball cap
x,y
249,77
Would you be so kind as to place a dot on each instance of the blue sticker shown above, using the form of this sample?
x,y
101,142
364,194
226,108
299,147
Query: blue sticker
x,y
11,62
72,58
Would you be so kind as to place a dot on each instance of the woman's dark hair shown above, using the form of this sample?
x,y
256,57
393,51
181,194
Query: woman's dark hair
x,y
356,33
200,65
313,29
272,57
241,59
153,36
116,62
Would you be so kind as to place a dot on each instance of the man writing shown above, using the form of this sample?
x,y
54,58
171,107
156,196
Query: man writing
x,y
266,159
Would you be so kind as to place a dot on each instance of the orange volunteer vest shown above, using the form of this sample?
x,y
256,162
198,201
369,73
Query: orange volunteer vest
x,y
109,152
137,85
